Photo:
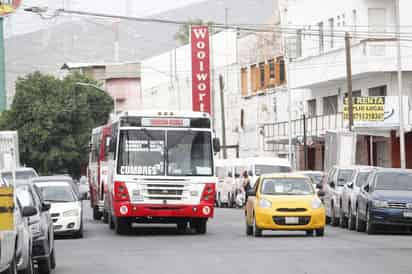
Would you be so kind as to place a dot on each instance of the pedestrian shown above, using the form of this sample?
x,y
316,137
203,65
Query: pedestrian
x,y
246,184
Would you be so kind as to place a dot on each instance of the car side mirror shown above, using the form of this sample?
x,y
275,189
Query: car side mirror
x,y
45,206
349,184
29,211
251,193
366,188
216,145
321,193
332,184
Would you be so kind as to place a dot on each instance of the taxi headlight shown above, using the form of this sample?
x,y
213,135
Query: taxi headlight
x,y
71,213
316,203
263,203
379,204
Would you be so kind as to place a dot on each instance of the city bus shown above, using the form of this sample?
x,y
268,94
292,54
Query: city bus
x,y
97,170
161,170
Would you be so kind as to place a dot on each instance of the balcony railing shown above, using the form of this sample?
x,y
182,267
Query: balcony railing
x,y
316,126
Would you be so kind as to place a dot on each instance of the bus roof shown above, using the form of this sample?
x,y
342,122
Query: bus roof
x,y
165,113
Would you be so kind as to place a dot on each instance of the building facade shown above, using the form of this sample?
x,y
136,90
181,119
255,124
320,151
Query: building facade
x,y
254,78
121,80
319,65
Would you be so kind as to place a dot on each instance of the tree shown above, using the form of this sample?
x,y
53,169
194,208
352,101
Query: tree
x,y
54,119
183,34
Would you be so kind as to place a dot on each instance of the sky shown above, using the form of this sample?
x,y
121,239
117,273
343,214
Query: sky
x,y
22,22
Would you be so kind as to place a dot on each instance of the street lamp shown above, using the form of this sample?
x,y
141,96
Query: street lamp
x,y
98,88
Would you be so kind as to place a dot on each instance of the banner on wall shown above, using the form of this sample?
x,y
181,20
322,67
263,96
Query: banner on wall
x,y
199,38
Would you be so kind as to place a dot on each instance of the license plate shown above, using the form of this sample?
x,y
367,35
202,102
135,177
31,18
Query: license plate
x,y
407,214
291,220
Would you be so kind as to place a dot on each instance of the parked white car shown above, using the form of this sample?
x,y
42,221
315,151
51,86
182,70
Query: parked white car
x,y
22,173
66,207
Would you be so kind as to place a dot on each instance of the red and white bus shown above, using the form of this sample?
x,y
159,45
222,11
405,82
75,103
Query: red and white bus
x,y
161,170
98,169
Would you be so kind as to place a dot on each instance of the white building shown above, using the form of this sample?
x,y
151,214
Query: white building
x,y
320,67
254,92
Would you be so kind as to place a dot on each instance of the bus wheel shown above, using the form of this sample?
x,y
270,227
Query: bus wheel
x,y
122,226
199,225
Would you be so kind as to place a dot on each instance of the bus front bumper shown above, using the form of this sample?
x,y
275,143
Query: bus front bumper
x,y
125,209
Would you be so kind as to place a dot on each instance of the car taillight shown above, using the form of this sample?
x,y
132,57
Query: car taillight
x,y
120,192
209,193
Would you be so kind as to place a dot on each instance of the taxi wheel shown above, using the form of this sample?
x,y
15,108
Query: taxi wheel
x,y
257,232
309,233
320,232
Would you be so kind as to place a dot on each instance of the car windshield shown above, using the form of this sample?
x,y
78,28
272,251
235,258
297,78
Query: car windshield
x,y
362,177
20,175
394,181
160,152
286,186
57,193
24,195
344,176
316,178
265,169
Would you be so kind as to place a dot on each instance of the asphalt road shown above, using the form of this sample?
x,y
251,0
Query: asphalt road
x,y
225,249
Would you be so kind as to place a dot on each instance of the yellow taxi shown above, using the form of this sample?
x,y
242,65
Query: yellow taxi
x,y
284,201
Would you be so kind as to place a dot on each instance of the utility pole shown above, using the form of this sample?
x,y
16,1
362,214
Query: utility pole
x,y
349,78
400,91
222,115
3,97
305,146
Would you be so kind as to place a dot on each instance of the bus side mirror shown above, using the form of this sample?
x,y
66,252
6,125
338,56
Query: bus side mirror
x,y
216,145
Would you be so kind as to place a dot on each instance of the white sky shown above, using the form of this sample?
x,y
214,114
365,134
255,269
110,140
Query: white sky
x,y
23,22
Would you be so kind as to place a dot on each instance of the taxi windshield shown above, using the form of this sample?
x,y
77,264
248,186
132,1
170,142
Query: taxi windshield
x,y
286,186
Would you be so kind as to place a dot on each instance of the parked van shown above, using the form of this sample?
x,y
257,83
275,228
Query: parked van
x,y
229,173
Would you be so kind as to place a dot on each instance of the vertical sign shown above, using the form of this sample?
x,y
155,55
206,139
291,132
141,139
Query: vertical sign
x,y
200,68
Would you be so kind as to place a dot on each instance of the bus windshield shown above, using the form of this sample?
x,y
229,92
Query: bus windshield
x,y
160,152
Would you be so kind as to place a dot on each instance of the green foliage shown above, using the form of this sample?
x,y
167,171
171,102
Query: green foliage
x,y
54,119
183,34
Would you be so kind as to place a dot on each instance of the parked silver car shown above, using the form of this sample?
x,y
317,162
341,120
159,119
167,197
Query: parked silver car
x,y
333,186
350,194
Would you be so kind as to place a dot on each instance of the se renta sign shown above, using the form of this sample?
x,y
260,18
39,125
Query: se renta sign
x,y
199,38
9,6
